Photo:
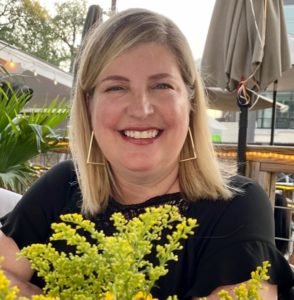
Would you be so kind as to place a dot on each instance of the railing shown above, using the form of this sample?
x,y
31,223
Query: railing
x,y
263,163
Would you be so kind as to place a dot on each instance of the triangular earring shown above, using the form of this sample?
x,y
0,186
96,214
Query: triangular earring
x,y
193,148
89,153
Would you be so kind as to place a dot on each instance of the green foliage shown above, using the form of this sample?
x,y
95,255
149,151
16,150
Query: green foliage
x,y
33,29
6,293
24,136
67,27
27,27
250,290
113,265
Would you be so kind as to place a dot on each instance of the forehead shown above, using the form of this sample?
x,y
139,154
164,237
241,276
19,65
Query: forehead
x,y
144,58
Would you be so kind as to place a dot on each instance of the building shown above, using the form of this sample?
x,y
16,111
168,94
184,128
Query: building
x,y
46,80
284,123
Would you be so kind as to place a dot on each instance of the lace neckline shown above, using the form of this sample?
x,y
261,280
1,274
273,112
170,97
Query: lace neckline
x,y
133,210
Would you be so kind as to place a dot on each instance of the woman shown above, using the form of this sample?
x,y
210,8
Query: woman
x,y
139,138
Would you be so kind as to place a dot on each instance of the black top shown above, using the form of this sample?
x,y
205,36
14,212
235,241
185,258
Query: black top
x,y
233,237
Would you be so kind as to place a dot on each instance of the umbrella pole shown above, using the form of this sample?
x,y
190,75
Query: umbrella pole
x,y
242,137
273,124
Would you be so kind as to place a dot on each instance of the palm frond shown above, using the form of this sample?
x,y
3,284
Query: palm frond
x,y
17,178
52,115
11,103
24,134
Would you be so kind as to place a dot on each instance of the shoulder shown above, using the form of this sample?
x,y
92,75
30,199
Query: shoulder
x,y
242,182
249,212
249,194
55,186
64,169
54,193
58,177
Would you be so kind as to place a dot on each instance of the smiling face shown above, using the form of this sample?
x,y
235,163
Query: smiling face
x,y
140,112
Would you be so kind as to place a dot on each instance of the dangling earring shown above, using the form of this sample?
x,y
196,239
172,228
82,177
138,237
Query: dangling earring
x,y
193,148
89,153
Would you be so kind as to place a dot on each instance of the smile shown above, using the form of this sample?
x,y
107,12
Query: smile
x,y
144,134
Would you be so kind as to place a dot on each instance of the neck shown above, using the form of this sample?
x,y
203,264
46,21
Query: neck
x,y
138,189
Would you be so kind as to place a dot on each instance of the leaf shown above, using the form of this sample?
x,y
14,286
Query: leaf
x,y
17,178
25,134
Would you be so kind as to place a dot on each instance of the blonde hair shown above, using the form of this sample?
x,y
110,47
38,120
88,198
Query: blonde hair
x,y
200,178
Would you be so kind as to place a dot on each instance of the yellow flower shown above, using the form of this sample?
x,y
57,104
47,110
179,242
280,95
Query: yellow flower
x,y
109,296
43,297
143,296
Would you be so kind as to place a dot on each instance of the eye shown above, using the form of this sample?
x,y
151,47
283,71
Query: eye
x,y
115,88
163,86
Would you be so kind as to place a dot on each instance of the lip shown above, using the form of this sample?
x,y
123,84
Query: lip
x,y
140,136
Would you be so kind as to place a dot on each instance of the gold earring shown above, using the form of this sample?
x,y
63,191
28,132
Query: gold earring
x,y
89,153
193,148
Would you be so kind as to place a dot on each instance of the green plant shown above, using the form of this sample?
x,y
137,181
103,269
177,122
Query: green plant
x,y
115,267
25,135
249,290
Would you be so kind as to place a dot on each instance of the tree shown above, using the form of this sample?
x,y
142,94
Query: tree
x,y
30,27
68,25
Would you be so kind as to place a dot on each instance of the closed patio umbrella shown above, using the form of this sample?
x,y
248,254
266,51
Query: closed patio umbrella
x,y
94,16
225,100
285,82
246,48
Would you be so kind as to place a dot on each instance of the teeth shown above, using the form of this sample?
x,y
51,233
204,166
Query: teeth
x,y
147,134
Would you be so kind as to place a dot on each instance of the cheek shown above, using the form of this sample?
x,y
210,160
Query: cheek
x,y
180,112
103,116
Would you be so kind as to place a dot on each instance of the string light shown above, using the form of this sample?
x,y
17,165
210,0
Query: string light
x,y
12,64
231,154
17,60
257,155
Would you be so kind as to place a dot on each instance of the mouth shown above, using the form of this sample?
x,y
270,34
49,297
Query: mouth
x,y
141,134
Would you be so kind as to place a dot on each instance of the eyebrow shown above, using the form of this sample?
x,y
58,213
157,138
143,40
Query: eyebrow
x,y
114,78
122,78
160,76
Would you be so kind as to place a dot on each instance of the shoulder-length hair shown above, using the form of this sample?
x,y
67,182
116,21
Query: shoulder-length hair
x,y
200,178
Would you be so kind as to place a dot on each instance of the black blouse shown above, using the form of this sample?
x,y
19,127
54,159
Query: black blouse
x,y
233,238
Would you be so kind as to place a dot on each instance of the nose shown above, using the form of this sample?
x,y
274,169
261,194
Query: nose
x,y
140,105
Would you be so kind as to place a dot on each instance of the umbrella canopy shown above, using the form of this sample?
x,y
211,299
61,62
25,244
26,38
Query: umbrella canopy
x,y
94,15
285,82
247,40
246,48
225,100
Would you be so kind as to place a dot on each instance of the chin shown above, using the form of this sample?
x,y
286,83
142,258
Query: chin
x,y
140,165
140,168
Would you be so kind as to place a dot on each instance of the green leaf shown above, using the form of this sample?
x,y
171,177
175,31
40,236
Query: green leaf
x,y
24,134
